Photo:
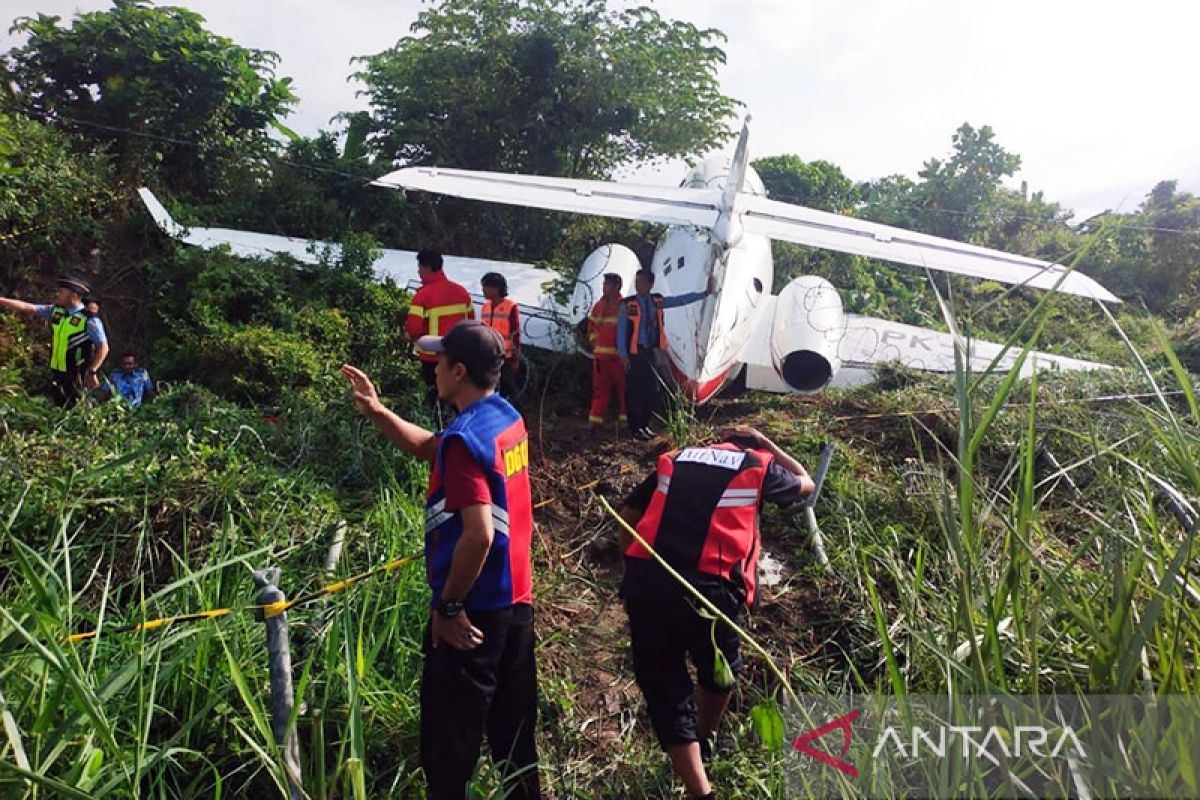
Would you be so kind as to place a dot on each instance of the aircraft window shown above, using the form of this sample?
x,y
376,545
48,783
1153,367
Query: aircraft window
x,y
667,269
758,287
679,263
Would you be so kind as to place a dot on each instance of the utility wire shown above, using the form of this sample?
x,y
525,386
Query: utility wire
x,y
361,180
59,119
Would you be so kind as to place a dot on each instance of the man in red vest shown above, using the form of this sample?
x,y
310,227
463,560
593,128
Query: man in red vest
x,y
479,673
504,317
699,512
608,374
434,310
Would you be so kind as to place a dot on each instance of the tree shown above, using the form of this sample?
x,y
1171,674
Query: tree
x,y
198,104
554,87
957,195
815,184
50,198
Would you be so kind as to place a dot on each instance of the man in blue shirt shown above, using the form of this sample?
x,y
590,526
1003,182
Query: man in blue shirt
x,y
641,335
78,345
131,381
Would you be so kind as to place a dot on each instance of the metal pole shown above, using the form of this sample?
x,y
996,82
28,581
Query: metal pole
x,y
282,691
815,539
334,555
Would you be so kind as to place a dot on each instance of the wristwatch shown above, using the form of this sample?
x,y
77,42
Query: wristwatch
x,y
450,608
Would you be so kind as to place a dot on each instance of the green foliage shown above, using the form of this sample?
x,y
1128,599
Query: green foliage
x,y
554,87
255,331
50,198
318,192
165,511
205,103
551,87
1151,254
815,184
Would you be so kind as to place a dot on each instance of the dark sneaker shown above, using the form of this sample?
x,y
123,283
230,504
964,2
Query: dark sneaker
x,y
645,434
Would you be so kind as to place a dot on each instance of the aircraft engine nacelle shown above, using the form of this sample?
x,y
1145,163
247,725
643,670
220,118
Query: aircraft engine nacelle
x,y
805,334
589,284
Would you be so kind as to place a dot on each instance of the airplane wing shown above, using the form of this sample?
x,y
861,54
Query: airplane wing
x,y
807,226
662,204
760,216
868,341
545,322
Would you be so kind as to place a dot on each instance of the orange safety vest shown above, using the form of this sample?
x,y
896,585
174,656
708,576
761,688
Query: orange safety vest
x,y
602,328
438,306
504,318
633,311
703,517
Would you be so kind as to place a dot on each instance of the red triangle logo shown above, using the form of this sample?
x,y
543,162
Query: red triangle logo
x,y
842,723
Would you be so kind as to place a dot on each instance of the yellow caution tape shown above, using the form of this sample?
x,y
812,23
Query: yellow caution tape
x,y
268,609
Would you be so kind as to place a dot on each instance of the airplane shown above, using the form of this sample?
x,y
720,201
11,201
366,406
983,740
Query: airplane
x,y
718,242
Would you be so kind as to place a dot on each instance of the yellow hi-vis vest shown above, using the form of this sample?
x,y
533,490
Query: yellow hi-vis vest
x,y
71,347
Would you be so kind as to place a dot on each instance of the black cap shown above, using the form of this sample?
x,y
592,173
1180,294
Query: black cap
x,y
75,284
470,343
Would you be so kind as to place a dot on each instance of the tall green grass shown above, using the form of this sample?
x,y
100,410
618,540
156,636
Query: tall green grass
x,y
996,576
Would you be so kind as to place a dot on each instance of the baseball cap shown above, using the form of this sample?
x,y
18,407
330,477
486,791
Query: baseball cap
x,y
470,343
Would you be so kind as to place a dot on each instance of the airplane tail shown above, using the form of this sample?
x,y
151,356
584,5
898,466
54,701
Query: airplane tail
x,y
737,169
728,229
161,216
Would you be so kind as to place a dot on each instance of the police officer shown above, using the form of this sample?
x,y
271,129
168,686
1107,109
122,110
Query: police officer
x,y
78,344
699,512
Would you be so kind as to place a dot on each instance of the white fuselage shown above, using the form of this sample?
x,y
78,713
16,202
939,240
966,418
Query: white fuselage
x,y
706,339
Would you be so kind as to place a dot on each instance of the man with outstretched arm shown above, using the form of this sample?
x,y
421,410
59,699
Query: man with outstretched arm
x,y
78,344
641,343
699,511
479,673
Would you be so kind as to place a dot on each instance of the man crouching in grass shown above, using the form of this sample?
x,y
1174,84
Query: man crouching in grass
x,y
479,671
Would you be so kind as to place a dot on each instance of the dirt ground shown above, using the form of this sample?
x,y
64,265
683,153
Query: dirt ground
x,y
577,574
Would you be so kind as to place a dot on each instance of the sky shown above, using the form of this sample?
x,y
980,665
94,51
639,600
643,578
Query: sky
x,y
1098,98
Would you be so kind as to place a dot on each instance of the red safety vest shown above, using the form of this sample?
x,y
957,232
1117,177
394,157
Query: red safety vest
x,y
602,328
633,310
438,306
504,318
703,517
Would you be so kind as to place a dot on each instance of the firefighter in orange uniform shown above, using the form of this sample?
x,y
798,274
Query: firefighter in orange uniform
x,y
699,511
608,375
502,315
434,310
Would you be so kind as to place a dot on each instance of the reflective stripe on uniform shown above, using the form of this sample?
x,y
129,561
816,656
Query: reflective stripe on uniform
x,y
436,313
69,334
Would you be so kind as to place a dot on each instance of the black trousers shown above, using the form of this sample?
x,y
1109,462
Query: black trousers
x,y
508,382
665,629
643,390
429,374
492,689
66,388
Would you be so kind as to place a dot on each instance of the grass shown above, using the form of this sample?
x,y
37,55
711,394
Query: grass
x,y
962,563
